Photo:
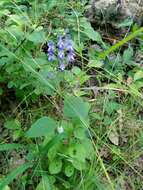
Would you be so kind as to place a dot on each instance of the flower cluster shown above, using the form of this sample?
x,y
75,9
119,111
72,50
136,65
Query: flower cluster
x,y
65,51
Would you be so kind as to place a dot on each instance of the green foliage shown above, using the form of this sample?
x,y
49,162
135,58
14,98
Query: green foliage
x,y
42,127
74,127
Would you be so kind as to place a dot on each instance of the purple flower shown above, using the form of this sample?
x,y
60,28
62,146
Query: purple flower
x,y
60,43
70,50
50,51
51,57
61,66
61,54
68,44
51,46
70,57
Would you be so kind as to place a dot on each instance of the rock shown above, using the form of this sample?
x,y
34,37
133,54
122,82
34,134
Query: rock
x,y
115,11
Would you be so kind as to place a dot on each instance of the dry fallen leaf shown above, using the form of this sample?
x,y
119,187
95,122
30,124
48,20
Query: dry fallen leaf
x,y
114,137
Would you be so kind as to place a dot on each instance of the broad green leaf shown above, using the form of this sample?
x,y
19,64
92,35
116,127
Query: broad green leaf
x,y
69,170
76,108
53,152
89,31
79,165
44,184
88,146
80,133
10,177
44,126
37,37
55,166
12,124
78,152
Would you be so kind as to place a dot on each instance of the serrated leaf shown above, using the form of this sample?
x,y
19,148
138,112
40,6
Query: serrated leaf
x,y
95,63
44,126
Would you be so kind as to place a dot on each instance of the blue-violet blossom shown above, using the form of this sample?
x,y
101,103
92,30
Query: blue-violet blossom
x,y
61,66
70,50
61,53
50,51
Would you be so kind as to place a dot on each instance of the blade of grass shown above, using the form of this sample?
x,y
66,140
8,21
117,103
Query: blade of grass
x,y
121,43
10,177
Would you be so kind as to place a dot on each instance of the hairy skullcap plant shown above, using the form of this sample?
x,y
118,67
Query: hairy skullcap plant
x,y
64,52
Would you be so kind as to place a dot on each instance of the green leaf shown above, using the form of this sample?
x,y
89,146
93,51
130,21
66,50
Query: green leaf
x,y
37,37
110,107
79,165
53,152
80,133
95,63
10,177
44,184
6,188
125,23
1,91
76,108
138,75
55,166
12,124
89,31
77,151
52,4
44,126
69,170
128,54
5,147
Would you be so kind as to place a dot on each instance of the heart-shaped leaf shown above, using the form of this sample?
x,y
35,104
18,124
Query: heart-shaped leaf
x,y
44,126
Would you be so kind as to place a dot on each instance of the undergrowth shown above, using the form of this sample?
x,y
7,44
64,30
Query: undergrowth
x,y
70,101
